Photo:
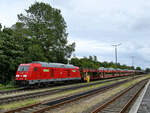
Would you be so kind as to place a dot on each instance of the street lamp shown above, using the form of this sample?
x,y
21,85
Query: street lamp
x,y
116,45
132,60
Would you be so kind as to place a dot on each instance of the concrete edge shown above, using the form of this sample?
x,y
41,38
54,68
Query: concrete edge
x,y
138,101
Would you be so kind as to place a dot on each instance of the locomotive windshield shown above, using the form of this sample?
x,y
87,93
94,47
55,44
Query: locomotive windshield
x,y
23,68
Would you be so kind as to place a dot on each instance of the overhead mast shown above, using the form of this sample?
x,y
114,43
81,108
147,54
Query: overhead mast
x,y
116,57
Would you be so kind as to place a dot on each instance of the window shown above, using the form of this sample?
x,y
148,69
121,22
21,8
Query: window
x,y
23,68
35,69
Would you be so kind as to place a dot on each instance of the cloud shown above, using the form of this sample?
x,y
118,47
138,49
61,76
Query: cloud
x,y
97,24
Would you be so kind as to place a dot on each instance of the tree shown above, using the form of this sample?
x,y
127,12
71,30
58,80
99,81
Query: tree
x,y
1,55
31,49
11,54
138,68
147,70
132,67
39,35
95,58
91,62
47,26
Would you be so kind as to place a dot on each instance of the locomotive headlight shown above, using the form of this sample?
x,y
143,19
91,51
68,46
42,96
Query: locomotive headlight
x,y
24,75
17,75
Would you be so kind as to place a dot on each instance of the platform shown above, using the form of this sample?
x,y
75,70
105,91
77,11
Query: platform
x,y
142,103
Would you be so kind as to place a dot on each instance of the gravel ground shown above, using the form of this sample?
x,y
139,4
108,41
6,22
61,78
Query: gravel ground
x,y
44,89
87,104
51,97
56,96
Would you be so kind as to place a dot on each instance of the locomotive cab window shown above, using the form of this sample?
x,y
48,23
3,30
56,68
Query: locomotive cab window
x,y
35,69
23,68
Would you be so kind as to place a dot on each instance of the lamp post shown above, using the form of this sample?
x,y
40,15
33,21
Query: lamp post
x,y
116,57
132,60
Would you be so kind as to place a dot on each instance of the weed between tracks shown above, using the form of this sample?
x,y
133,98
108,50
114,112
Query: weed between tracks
x,y
45,98
18,104
65,93
5,88
86,105
44,89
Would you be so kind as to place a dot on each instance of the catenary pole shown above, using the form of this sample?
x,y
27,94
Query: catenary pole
x,y
116,54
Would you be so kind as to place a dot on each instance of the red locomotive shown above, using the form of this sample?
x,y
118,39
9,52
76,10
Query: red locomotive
x,y
42,73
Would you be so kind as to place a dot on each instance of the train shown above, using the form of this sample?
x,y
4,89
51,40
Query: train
x,y
42,73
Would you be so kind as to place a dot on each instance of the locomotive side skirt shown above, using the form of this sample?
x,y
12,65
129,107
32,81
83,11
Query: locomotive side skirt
x,y
52,80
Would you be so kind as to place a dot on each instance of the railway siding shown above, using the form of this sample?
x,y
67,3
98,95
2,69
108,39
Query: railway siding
x,y
73,94
21,91
56,95
51,92
86,105
121,102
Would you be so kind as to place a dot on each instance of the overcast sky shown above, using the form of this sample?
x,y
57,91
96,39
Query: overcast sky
x,y
94,25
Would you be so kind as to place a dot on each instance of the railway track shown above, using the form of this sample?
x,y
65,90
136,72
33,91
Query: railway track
x,y
121,102
43,107
48,92
23,89
4,92
30,89
20,90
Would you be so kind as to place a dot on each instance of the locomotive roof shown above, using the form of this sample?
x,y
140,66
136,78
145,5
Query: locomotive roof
x,y
58,65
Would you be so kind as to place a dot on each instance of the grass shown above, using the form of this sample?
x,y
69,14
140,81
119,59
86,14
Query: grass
x,y
46,89
9,86
1,85
45,98
19,104
82,106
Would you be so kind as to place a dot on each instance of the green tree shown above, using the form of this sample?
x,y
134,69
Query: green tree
x,y
2,56
132,67
95,58
138,68
39,35
147,70
91,62
11,54
32,50
47,26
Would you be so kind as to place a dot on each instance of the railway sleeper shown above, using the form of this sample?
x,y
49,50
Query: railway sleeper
x,y
41,106
24,111
116,108
37,108
112,110
107,112
27,110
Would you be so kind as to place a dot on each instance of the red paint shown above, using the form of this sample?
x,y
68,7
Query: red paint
x,y
53,73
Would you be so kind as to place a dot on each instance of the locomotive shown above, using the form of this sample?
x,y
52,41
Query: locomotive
x,y
42,73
